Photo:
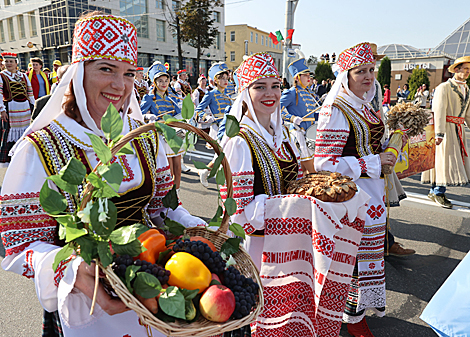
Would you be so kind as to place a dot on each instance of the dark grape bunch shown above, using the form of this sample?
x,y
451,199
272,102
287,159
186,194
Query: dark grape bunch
x,y
122,262
212,260
244,289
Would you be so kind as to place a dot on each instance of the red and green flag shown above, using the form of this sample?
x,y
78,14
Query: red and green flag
x,y
273,38
277,37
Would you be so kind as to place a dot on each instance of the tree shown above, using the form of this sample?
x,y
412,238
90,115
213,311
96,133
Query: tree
x,y
323,71
418,77
385,72
312,59
172,15
197,25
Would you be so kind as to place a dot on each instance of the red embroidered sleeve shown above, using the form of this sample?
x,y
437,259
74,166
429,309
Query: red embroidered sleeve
x,y
242,189
23,221
163,184
330,142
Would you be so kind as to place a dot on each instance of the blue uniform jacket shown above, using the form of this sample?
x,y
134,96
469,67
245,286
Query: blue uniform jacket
x,y
158,105
231,89
216,101
305,105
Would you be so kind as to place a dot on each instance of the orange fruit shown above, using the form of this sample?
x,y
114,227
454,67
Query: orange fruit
x,y
200,238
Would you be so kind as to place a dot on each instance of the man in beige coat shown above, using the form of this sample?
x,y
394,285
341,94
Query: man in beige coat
x,y
451,107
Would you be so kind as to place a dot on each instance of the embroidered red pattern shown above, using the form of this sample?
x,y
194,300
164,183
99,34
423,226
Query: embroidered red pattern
x,y
59,273
28,270
362,164
375,212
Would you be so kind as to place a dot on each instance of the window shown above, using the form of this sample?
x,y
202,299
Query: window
x,y
262,40
270,43
161,31
159,4
2,33
225,36
136,12
217,41
7,3
11,31
33,31
232,36
21,30
175,5
251,36
232,56
256,38
142,60
216,16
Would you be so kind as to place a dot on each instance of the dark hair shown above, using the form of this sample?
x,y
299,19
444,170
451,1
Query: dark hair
x,y
154,90
406,85
70,106
386,86
37,60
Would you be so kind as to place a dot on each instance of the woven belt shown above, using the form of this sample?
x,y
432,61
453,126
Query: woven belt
x,y
458,121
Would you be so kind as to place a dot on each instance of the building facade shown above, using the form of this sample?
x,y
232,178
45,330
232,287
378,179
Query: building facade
x,y
45,29
243,40
404,59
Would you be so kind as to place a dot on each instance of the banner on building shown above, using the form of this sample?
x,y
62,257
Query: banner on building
x,y
418,155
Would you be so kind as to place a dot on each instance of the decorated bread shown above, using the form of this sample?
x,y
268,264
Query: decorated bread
x,y
325,186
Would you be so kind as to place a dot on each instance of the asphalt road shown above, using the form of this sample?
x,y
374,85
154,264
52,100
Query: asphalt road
x,y
440,237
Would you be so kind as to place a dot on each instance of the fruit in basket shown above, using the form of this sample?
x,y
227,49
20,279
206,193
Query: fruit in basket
x,y
202,251
217,303
189,310
122,262
149,303
244,289
188,272
154,242
200,238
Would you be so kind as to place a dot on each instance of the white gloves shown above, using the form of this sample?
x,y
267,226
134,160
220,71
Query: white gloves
x,y
297,120
209,119
191,221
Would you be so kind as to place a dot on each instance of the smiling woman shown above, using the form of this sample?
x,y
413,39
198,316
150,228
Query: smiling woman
x,y
349,142
95,79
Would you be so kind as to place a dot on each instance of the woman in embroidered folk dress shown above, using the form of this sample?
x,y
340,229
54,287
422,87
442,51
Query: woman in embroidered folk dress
x,y
348,141
263,158
16,96
29,235
158,102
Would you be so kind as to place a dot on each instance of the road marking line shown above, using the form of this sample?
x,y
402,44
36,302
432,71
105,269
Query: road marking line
x,y
432,203
425,197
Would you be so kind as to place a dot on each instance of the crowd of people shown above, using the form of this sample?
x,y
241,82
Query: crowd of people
x,y
271,150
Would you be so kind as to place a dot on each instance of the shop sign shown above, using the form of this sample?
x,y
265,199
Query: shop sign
x,y
411,66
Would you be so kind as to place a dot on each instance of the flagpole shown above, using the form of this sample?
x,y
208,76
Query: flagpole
x,y
291,5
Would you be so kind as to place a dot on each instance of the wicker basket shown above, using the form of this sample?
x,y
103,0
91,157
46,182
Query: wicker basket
x,y
245,265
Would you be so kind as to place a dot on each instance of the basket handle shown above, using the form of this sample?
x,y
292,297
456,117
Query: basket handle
x,y
149,127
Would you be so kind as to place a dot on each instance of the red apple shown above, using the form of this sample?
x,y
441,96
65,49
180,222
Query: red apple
x,y
217,303
215,277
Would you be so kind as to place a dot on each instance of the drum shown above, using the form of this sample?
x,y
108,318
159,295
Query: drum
x,y
310,136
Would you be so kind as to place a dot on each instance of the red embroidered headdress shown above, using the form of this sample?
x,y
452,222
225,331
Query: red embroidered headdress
x,y
356,56
181,71
8,55
257,66
104,37
139,69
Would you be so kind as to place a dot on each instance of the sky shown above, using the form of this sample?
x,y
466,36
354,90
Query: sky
x,y
332,26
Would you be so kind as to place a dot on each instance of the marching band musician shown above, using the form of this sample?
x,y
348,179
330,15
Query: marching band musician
x,y
158,102
218,103
296,103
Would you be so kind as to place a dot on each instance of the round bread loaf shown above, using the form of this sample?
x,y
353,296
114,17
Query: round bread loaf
x,y
325,186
